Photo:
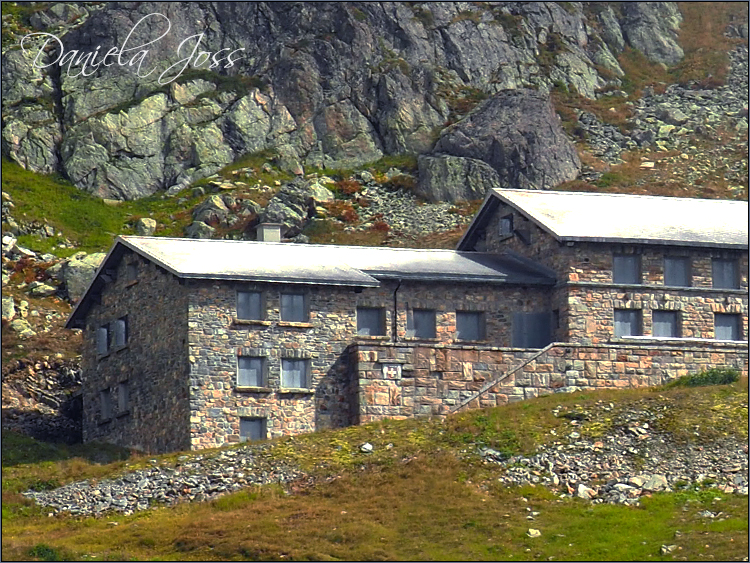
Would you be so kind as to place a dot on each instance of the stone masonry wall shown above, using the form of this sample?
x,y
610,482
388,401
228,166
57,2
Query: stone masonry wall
x,y
401,381
152,366
586,297
216,339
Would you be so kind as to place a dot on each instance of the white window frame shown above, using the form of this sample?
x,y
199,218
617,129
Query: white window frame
x,y
626,269
298,303
464,316
260,369
415,328
669,319
637,322
363,315
245,307
669,262
288,368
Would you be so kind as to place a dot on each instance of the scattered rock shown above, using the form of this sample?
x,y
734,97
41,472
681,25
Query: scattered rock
x,y
145,226
532,533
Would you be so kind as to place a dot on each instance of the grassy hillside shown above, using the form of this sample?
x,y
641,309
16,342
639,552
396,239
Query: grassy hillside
x,y
423,494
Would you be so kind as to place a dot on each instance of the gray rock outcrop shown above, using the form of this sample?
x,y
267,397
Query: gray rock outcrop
x,y
321,84
78,272
517,133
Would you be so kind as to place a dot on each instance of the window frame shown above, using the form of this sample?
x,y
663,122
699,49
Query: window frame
x,y
412,325
304,363
638,321
481,325
263,428
735,273
736,328
239,311
119,329
123,397
506,226
305,313
380,321
102,340
262,375
688,281
677,329
105,404
618,272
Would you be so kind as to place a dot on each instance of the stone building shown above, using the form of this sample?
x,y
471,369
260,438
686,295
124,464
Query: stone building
x,y
198,343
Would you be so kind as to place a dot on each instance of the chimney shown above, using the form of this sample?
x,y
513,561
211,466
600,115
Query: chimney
x,y
269,232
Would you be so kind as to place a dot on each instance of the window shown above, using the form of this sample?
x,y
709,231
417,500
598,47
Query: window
x,y
252,429
627,322
105,400
293,307
132,272
469,325
420,323
626,269
725,274
294,374
727,326
531,330
102,339
249,306
250,372
665,323
677,271
370,321
120,332
123,397
506,226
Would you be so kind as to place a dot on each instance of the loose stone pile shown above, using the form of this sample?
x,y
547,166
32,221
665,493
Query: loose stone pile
x,y
669,120
627,463
198,478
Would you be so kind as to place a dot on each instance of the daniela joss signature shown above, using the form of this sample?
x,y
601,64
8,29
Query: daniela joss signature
x,y
87,63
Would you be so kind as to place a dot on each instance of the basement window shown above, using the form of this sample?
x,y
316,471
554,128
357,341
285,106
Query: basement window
x,y
252,429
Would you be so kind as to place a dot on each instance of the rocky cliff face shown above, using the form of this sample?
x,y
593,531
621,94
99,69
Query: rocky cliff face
x,y
190,87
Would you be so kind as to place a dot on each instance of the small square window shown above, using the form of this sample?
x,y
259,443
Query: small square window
x,y
102,339
626,269
252,429
370,321
123,397
293,307
105,401
506,226
250,372
249,305
665,323
677,271
627,322
120,332
294,374
727,326
725,274
420,323
469,325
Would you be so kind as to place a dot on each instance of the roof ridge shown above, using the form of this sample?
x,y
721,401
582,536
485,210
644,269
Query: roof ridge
x,y
607,194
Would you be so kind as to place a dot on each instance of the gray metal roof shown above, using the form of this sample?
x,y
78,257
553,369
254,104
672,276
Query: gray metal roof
x,y
327,264
578,216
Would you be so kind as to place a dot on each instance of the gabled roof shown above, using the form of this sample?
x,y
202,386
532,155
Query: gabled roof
x,y
597,217
313,264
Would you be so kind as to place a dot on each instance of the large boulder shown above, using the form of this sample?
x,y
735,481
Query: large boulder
x,y
9,308
454,178
517,133
78,272
652,28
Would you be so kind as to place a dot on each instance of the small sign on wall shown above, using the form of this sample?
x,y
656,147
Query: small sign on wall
x,y
392,371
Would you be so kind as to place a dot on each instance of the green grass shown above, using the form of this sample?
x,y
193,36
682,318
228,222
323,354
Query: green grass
x,y
416,497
